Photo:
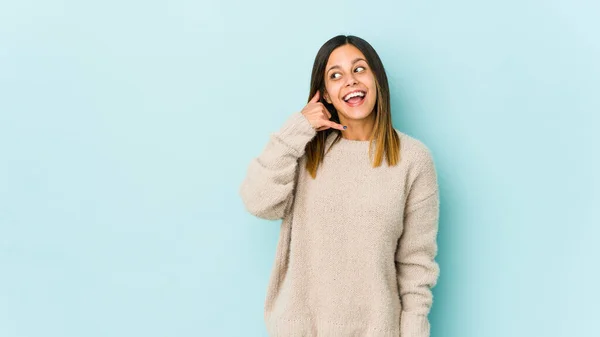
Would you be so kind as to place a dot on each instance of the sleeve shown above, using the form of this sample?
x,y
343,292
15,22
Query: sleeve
x,y
416,267
267,190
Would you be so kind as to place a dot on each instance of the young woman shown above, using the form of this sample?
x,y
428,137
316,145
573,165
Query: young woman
x,y
360,205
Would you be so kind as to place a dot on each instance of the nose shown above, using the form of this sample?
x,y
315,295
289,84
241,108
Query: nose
x,y
351,80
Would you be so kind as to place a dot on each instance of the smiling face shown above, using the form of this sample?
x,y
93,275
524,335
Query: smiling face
x,y
350,84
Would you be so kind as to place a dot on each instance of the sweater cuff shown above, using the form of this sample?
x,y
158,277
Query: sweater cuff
x,y
414,325
297,131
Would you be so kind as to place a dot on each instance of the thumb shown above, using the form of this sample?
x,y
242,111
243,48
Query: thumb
x,y
315,98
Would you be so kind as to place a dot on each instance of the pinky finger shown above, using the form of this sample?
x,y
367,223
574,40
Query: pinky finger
x,y
335,125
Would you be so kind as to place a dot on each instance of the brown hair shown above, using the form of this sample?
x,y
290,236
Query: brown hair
x,y
387,140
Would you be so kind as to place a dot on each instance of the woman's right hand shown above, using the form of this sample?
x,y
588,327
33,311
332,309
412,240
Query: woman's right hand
x,y
318,116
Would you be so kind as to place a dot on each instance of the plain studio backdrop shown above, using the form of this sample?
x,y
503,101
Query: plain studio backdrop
x,y
126,128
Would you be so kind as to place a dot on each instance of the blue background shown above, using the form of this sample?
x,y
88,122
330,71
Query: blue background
x,y
126,129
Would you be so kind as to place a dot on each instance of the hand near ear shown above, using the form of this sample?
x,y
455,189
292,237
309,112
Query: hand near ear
x,y
318,116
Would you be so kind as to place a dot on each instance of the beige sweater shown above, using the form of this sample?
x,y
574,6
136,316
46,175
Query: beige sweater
x,y
357,246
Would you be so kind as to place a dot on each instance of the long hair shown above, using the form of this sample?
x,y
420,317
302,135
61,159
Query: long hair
x,y
386,139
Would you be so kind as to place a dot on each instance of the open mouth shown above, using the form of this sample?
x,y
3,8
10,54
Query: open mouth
x,y
355,98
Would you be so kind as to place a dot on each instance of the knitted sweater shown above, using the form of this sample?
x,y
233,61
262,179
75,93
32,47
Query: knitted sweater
x,y
357,244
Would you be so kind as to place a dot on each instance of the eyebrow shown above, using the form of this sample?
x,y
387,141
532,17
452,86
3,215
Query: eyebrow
x,y
354,61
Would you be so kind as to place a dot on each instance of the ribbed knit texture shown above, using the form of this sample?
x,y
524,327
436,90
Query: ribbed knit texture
x,y
357,246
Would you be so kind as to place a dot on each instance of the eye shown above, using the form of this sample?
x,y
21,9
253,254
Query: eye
x,y
360,67
332,76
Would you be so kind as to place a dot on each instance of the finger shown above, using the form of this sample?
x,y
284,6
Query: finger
x,y
323,128
326,112
335,125
315,98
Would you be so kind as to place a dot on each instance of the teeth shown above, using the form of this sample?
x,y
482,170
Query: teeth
x,y
354,94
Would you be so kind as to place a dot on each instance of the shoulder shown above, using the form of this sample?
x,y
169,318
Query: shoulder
x,y
414,151
421,170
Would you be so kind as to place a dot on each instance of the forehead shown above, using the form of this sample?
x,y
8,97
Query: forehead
x,y
344,55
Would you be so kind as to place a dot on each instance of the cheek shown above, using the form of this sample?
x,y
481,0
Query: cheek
x,y
373,88
371,83
333,91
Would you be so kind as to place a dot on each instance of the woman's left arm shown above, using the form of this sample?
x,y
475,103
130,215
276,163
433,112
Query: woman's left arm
x,y
416,267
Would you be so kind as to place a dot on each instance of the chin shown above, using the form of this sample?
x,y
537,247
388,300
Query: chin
x,y
357,113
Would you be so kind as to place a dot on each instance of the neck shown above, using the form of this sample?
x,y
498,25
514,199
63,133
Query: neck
x,y
358,129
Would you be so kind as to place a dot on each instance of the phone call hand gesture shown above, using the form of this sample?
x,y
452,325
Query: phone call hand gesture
x,y
318,116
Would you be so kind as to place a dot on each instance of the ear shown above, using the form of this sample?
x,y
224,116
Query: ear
x,y
326,97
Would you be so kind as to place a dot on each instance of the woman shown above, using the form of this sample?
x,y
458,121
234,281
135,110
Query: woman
x,y
359,202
